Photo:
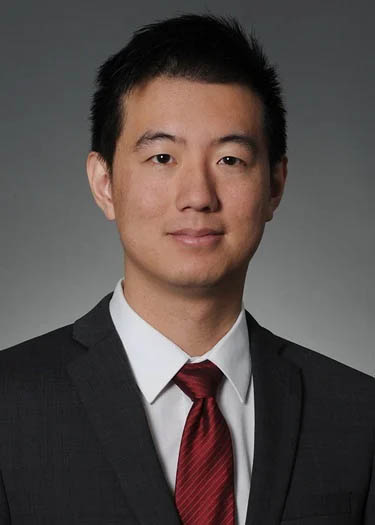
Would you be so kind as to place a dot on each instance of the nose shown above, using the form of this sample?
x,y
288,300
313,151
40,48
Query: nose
x,y
196,189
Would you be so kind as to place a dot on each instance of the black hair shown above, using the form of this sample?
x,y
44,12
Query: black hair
x,y
205,48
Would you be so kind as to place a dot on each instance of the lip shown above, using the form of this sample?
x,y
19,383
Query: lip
x,y
196,233
204,237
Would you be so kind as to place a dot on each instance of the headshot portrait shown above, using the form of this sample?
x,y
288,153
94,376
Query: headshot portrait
x,y
187,268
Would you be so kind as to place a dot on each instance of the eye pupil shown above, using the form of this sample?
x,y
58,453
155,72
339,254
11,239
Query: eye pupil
x,y
230,160
163,158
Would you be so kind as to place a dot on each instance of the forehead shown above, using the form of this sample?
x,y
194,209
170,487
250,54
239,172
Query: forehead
x,y
192,106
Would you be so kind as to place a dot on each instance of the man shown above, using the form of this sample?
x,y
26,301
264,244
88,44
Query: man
x,y
168,403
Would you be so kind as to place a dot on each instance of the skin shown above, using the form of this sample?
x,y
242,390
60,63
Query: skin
x,y
191,294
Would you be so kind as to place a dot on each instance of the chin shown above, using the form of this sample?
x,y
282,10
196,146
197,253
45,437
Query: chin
x,y
195,280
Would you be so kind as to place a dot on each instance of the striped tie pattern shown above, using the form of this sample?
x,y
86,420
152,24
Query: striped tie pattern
x,y
204,492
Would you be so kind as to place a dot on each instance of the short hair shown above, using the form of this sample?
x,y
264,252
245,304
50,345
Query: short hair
x,y
205,48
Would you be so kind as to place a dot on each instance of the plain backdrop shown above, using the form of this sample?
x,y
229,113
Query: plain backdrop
x,y
312,278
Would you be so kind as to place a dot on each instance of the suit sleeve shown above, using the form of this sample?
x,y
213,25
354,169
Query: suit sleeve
x,y
4,507
370,504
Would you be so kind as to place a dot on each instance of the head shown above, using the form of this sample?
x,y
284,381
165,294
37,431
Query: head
x,y
188,131
202,48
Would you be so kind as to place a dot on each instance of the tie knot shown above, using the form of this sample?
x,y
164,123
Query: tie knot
x,y
199,380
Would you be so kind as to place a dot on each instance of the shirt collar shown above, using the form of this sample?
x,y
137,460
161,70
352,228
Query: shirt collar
x,y
155,359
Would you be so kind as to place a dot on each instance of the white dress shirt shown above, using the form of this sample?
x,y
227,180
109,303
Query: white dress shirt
x,y
155,359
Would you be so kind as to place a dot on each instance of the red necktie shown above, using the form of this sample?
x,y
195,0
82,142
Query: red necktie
x,y
204,493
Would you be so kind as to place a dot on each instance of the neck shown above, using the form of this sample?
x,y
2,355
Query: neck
x,y
194,319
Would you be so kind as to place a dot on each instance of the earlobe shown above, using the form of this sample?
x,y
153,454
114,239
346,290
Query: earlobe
x,y
100,183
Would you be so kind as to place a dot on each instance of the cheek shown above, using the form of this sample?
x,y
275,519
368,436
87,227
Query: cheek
x,y
137,200
248,207
152,201
247,226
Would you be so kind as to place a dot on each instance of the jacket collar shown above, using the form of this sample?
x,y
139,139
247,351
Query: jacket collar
x,y
155,359
112,399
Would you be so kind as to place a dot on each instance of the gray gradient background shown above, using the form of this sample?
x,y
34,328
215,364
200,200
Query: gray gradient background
x,y
312,278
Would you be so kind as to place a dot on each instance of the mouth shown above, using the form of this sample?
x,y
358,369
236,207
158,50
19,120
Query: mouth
x,y
197,237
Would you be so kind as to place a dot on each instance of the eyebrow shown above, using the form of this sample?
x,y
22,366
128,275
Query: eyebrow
x,y
152,136
239,138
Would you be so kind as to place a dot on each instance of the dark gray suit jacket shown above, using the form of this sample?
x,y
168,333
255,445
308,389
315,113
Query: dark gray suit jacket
x,y
76,449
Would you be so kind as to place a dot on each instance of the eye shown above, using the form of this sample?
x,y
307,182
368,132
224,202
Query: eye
x,y
161,158
231,161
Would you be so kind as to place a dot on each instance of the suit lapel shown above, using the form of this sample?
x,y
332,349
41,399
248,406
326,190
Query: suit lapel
x,y
278,405
109,392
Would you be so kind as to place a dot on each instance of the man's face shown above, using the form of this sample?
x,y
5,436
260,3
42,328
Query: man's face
x,y
191,155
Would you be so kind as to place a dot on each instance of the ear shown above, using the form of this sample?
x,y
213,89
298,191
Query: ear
x,y
278,179
100,183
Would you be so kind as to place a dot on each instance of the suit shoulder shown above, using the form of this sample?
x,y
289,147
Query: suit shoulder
x,y
329,376
307,356
41,351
